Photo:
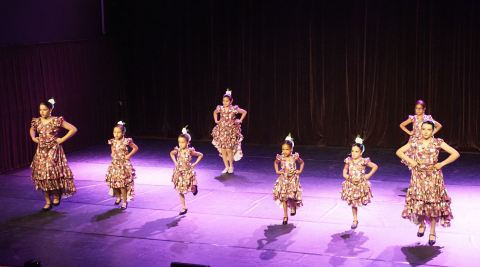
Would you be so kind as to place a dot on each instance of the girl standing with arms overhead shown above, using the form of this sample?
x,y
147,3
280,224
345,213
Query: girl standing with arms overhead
x,y
50,169
417,121
287,190
227,135
120,174
427,200
356,190
184,177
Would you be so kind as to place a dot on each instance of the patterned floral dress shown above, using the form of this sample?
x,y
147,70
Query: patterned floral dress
x,y
356,190
427,195
50,167
417,134
121,173
184,177
287,187
228,134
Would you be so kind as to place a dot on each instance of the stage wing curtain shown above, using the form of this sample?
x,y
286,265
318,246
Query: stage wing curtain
x,y
323,70
84,77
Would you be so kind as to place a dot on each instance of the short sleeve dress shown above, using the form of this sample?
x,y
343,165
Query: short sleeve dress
x,y
427,195
184,177
121,173
287,188
50,167
417,134
228,133
356,190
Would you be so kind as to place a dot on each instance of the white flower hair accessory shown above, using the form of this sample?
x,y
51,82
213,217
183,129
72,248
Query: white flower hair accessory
x,y
185,132
289,138
359,140
122,123
228,92
51,101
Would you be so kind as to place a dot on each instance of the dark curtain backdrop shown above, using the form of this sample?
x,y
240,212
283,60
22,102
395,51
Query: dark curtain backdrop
x,y
323,70
84,77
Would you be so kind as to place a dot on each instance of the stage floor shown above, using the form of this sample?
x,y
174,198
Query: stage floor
x,y
233,221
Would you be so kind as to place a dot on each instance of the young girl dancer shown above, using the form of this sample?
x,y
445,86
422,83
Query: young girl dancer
x,y
417,121
427,199
227,135
356,189
184,177
120,174
287,189
50,169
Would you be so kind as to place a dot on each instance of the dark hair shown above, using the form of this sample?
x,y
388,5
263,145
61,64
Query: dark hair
x,y
228,96
186,136
361,146
288,142
431,123
47,104
121,127
420,102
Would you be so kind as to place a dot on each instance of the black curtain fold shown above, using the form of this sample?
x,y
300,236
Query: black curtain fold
x,y
323,70
84,77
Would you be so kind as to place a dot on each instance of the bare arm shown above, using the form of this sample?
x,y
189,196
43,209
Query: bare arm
x,y
401,154
453,156
276,167
215,116
172,155
438,126
243,112
134,150
32,134
199,157
374,169
112,151
302,164
345,170
71,131
404,128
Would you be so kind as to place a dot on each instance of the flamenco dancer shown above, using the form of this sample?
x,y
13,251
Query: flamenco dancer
x,y
356,190
427,200
120,174
287,190
417,121
184,177
50,169
227,135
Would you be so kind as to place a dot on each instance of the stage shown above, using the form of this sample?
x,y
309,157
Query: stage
x,y
233,220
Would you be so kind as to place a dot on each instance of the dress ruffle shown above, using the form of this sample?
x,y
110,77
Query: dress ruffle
x,y
427,195
228,134
184,176
356,190
287,188
121,173
50,167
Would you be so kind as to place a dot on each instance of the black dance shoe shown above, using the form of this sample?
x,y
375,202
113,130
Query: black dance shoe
x,y
432,242
293,213
196,190
118,202
420,234
58,203
285,222
183,212
354,225
124,208
47,209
